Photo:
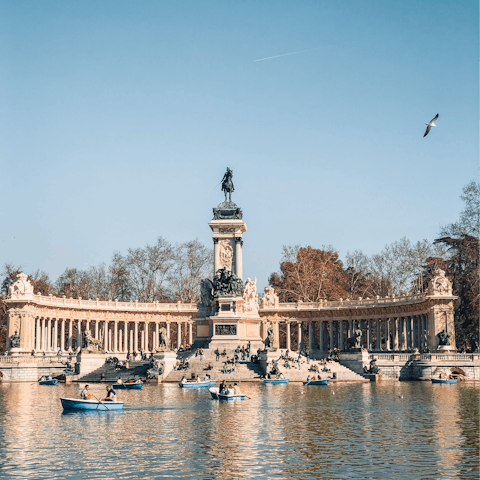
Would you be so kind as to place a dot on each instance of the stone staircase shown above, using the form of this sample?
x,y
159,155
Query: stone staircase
x,y
244,371
108,373
337,372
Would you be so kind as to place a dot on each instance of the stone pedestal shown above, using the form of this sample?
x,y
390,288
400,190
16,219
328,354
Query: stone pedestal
x,y
355,360
445,349
267,357
169,359
88,362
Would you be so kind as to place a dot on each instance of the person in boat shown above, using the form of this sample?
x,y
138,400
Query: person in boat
x,y
230,390
199,380
222,387
207,378
49,377
309,379
120,380
42,378
84,394
183,380
236,389
281,375
111,395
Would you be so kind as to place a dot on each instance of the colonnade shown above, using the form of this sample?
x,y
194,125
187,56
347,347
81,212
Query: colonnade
x,y
116,336
378,334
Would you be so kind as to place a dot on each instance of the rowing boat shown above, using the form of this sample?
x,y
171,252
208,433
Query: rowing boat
x,y
128,386
210,383
48,382
79,404
443,380
276,380
317,382
214,392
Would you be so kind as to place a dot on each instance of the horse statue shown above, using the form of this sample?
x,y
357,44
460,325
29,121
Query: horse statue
x,y
164,340
91,344
227,185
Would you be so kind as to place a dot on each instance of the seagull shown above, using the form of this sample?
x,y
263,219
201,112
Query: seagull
x,y
430,125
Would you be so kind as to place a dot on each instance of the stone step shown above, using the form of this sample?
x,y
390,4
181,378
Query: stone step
x,y
108,373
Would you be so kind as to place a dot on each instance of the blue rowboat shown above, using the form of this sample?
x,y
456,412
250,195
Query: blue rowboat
x,y
127,386
78,404
443,380
317,382
48,382
210,383
220,396
276,380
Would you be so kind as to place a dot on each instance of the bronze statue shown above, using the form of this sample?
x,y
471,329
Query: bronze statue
x,y
269,340
227,184
443,338
15,340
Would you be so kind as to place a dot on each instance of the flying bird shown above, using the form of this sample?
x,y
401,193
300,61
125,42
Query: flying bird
x,y
430,125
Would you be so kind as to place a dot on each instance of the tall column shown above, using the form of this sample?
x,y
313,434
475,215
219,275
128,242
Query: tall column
x,y
419,332
238,257
299,334
320,336
131,342
350,329
369,335
387,334
340,335
190,333
142,340
424,332
105,335
157,333
110,339
287,337
42,334
179,334
331,335
395,333
49,334
311,338
409,341
136,337
70,335
38,336
62,335
115,336
216,256
378,345
55,335
79,334
168,330
125,336
404,333
96,329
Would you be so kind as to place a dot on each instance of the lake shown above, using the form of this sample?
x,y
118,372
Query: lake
x,y
345,430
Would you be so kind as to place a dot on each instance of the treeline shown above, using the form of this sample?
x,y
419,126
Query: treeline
x,y
311,275
160,272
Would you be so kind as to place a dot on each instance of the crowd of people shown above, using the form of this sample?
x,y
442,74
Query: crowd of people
x,y
232,389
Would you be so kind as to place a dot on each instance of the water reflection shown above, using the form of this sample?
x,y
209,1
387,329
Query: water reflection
x,y
347,430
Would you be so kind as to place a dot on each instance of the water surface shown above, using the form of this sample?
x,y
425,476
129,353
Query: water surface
x,y
346,430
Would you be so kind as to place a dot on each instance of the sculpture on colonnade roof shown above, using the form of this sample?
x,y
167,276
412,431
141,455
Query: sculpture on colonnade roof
x,y
21,287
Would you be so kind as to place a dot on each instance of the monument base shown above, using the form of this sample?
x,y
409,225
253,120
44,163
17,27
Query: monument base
x,y
169,359
88,362
445,349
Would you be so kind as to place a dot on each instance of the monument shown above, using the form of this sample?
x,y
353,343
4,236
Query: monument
x,y
228,308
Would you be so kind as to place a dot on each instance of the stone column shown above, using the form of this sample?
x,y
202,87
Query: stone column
x,y
216,256
419,332
131,342
70,335
350,329
105,336
387,334
287,337
332,346
115,336
369,335
142,339
38,336
190,333
311,338
341,340
79,334
320,336
136,337
378,345
179,334
299,335
110,339
49,334
404,333
96,329
125,336
395,334
410,335
55,336
62,335
238,257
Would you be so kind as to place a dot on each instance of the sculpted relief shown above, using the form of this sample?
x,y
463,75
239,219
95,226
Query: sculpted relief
x,y
21,287
226,254
440,284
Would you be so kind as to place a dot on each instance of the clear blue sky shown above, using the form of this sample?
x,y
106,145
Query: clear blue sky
x,y
118,118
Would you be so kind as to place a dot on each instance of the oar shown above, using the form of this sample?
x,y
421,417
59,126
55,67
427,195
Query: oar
x,y
101,403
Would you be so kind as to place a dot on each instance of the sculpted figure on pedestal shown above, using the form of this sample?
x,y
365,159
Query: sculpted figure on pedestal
x,y
164,339
227,184
443,338
226,283
206,292
270,298
14,340
270,337
250,297
226,254
358,337
91,344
